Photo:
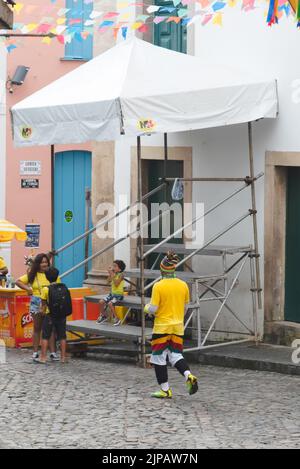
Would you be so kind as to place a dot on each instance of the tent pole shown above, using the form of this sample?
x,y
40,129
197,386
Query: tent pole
x,y
141,249
52,199
254,218
165,161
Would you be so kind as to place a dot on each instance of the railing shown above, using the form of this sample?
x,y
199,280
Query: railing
x,y
180,230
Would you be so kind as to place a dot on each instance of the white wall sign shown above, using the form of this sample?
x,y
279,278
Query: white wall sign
x,y
30,168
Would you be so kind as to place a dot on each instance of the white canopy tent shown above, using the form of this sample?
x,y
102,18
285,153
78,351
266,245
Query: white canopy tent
x,y
136,88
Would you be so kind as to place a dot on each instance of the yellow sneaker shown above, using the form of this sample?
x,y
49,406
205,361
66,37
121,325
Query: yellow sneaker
x,y
192,384
162,394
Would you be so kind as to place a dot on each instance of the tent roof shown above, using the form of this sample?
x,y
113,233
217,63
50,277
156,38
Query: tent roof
x,y
136,87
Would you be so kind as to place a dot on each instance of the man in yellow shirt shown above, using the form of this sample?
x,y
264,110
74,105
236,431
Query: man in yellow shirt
x,y
170,297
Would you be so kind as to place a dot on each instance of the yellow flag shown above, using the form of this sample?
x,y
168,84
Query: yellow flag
x,y
232,3
18,7
136,25
61,20
47,40
218,19
31,26
125,16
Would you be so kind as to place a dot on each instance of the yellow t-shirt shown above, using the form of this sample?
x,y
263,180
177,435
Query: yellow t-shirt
x,y
2,263
170,295
120,289
39,283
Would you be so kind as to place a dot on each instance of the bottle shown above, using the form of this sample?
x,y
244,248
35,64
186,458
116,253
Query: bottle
x,y
12,282
8,281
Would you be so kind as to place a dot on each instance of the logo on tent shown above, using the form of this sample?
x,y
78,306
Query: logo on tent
x,y
26,131
146,125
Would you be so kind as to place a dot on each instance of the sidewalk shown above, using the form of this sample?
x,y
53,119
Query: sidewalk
x,y
263,357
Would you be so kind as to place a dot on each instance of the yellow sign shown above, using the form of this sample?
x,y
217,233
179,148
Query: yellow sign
x,y
146,125
26,131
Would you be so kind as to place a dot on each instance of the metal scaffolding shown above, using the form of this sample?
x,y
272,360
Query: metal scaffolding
x,y
204,288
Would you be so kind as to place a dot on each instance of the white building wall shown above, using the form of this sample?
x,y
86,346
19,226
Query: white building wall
x,y
4,248
247,42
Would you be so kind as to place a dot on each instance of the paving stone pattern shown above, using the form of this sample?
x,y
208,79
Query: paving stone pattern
x,y
105,403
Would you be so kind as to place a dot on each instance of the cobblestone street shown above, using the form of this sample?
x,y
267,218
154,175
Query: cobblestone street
x,y
102,403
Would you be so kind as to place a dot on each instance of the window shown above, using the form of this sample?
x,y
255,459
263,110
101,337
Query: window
x,y
170,35
79,48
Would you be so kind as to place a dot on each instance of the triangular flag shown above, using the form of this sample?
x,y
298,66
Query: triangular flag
x,y
153,8
159,19
18,7
136,25
218,6
206,19
218,19
47,40
61,39
173,18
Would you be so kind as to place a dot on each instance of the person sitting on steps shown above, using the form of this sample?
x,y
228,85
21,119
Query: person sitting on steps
x,y
116,279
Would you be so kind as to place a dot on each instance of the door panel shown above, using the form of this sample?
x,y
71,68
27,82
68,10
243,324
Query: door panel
x,y
72,178
156,171
292,281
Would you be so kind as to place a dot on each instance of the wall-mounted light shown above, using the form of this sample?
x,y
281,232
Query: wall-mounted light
x,y
10,2
18,78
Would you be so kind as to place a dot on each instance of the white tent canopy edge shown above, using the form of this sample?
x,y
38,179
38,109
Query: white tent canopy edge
x,y
136,88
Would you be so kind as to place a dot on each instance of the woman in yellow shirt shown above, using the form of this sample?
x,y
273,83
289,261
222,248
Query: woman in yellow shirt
x,y
33,282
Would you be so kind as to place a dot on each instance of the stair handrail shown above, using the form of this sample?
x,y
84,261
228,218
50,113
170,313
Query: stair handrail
x,y
113,244
192,222
210,241
107,220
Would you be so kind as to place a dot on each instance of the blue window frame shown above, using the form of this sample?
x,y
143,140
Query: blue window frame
x,y
78,48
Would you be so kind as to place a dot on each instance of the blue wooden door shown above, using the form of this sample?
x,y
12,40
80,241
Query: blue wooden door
x,y
72,178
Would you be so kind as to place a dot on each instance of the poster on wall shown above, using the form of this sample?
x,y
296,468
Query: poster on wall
x,y
33,235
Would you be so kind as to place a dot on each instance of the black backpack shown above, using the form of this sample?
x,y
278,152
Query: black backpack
x,y
59,300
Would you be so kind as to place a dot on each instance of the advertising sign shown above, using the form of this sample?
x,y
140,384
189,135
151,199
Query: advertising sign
x,y
33,235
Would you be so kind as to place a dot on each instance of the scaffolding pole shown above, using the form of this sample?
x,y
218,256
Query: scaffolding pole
x,y
141,247
254,219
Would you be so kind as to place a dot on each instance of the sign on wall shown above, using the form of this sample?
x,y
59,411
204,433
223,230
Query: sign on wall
x,y
69,216
30,168
29,183
33,235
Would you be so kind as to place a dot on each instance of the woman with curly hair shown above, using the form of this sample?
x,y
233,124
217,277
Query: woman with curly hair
x,y
33,282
